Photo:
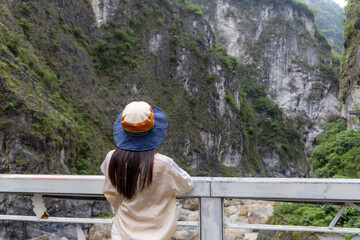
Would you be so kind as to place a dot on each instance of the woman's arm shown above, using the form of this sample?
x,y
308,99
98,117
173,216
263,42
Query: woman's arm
x,y
179,180
109,190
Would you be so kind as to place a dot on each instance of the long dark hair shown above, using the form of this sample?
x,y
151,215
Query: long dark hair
x,y
130,171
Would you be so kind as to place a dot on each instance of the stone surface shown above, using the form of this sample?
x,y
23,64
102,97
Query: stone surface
x,y
352,102
104,10
233,234
24,149
181,234
349,74
43,237
100,232
330,236
251,236
288,63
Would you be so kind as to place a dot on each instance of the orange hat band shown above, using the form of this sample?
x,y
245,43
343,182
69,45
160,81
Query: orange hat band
x,y
144,126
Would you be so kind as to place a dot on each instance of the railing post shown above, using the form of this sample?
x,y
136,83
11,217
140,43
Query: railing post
x,y
211,218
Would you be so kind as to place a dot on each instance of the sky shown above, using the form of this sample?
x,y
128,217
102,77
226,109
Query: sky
x,y
342,3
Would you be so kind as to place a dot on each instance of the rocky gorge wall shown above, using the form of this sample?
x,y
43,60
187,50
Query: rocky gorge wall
x,y
62,88
68,67
349,75
290,56
75,86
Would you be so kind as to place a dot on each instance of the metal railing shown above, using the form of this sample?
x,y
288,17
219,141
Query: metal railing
x,y
210,191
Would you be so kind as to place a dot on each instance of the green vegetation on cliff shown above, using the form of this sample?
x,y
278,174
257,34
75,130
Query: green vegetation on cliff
x,y
265,122
337,155
349,72
69,79
329,18
259,124
58,127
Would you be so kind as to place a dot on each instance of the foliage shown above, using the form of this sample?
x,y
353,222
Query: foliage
x,y
297,5
230,99
48,76
194,8
9,105
349,31
229,61
13,45
349,72
328,16
322,39
337,152
302,7
25,9
267,117
263,122
57,119
314,215
25,24
72,125
78,33
329,73
118,48
337,155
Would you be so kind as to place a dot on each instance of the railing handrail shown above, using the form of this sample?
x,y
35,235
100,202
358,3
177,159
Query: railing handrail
x,y
286,189
210,190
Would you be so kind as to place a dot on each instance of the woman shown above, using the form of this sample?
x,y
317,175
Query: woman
x,y
141,184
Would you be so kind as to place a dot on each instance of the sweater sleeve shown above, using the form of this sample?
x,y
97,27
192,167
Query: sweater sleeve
x,y
180,180
115,199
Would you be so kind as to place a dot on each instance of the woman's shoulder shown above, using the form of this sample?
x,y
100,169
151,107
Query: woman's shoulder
x,y
163,158
110,153
168,163
106,160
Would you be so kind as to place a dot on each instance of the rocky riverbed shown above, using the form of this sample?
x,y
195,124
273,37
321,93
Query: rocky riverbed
x,y
235,211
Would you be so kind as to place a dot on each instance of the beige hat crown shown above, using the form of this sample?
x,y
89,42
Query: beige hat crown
x,y
137,118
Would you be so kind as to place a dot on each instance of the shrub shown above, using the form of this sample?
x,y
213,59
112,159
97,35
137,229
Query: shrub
x,y
119,48
78,33
13,46
336,154
194,8
25,9
48,76
349,31
25,24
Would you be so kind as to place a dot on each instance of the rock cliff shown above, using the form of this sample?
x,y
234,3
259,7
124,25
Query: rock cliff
x,y
329,17
67,68
349,75
67,74
290,56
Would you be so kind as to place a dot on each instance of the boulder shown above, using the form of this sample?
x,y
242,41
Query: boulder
x,y
183,234
43,237
233,234
100,232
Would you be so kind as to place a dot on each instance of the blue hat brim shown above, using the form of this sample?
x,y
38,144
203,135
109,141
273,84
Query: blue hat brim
x,y
141,143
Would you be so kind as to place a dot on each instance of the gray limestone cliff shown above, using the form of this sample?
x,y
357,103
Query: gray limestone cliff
x,y
350,68
67,68
290,56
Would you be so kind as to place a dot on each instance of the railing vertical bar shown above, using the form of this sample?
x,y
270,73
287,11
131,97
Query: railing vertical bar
x,y
211,218
337,216
355,206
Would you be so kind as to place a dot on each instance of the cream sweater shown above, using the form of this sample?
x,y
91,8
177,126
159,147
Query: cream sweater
x,y
151,213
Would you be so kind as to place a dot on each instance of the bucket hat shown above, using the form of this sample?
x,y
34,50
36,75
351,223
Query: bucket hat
x,y
140,127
